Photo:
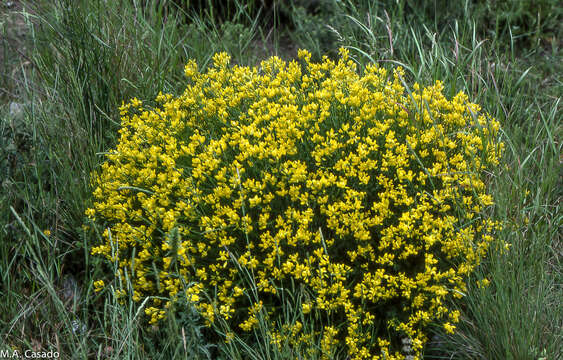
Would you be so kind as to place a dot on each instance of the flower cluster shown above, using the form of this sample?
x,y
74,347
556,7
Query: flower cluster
x,y
255,181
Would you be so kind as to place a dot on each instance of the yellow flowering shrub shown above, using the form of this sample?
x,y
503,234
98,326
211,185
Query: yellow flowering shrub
x,y
362,192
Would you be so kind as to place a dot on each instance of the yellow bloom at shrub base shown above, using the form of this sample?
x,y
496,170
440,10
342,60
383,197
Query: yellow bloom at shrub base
x,y
255,181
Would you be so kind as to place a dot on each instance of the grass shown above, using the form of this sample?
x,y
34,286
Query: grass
x,y
66,69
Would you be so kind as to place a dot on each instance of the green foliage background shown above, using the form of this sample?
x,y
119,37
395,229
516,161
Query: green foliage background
x,y
66,66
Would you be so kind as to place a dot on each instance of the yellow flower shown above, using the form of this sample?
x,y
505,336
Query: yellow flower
x,y
449,328
98,285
